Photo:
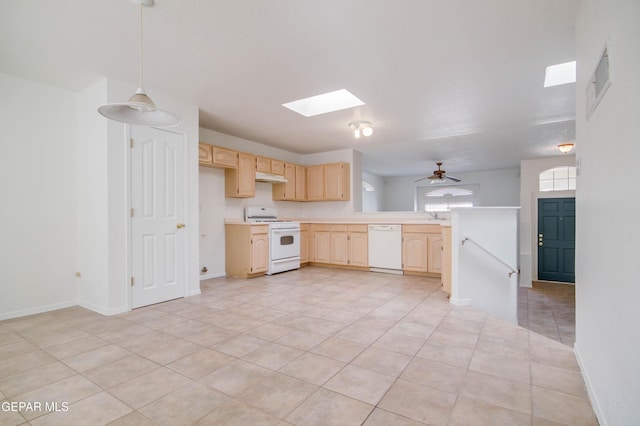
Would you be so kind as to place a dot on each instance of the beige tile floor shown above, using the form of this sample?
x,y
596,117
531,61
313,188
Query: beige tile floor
x,y
549,309
310,347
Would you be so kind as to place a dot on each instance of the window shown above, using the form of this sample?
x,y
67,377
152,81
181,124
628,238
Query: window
x,y
558,179
442,198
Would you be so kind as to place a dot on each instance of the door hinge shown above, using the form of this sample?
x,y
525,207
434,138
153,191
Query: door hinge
x,y
133,281
131,143
132,211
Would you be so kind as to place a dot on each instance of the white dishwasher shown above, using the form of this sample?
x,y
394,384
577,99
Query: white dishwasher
x,y
385,248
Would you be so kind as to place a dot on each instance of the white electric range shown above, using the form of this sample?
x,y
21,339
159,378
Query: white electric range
x,y
284,238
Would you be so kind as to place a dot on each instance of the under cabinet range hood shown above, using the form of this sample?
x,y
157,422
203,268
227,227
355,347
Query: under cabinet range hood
x,y
268,177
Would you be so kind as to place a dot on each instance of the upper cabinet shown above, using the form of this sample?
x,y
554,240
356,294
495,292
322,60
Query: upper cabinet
x,y
205,155
337,182
214,156
269,165
315,179
322,182
241,181
286,191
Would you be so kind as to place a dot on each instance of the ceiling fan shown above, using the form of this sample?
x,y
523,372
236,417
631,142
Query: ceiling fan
x,y
440,176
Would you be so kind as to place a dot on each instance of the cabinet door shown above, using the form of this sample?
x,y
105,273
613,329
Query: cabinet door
x,y
446,259
286,191
205,154
278,167
358,249
246,175
259,252
241,181
315,179
322,247
301,183
304,246
336,181
224,157
263,164
434,250
414,252
340,248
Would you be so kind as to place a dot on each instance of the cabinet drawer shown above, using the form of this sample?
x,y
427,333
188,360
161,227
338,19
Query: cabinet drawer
x,y
339,228
259,229
277,167
358,228
320,227
430,229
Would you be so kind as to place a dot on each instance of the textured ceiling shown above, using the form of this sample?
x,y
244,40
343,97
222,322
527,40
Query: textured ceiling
x,y
457,81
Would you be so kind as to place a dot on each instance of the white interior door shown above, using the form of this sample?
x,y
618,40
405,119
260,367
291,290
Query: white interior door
x,y
157,224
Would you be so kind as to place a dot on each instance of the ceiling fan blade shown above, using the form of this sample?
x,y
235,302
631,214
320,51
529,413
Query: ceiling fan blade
x,y
453,178
426,177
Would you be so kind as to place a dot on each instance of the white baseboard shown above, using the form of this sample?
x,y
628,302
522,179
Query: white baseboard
x,y
194,293
101,310
212,275
38,310
590,391
460,302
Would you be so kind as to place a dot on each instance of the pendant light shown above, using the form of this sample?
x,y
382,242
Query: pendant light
x,y
140,109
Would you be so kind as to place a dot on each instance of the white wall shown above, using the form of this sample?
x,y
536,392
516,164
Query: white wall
x,y
66,191
496,188
38,186
529,195
607,211
372,200
477,278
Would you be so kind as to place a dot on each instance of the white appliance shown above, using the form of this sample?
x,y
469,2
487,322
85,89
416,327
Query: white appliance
x,y
385,248
284,238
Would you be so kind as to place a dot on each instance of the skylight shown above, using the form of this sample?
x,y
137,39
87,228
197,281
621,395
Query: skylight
x,y
322,104
555,75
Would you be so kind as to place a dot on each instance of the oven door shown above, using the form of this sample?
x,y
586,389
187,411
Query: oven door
x,y
284,243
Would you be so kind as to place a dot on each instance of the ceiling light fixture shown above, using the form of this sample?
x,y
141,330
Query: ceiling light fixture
x,y
565,147
140,109
361,128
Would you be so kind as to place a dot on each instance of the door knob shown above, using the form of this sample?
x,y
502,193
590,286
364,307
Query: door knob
x,y
180,225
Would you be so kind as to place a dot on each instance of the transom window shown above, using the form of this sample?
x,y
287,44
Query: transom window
x,y
442,198
558,179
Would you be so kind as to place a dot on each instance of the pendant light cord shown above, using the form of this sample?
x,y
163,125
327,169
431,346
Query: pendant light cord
x,y
140,68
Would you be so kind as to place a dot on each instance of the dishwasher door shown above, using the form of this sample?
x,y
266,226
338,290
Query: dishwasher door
x,y
385,248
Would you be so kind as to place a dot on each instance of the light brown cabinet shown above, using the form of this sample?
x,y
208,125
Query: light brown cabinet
x,y
336,185
320,243
421,248
315,183
246,250
286,191
305,243
340,244
241,181
205,155
215,156
434,249
446,259
269,165
301,183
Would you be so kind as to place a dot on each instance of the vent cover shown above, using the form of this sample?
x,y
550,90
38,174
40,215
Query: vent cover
x,y
598,83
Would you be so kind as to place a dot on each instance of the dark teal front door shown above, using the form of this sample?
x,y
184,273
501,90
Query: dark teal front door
x,y
556,239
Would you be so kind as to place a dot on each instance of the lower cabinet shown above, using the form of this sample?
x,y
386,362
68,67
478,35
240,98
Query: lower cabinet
x,y
340,244
246,250
446,259
422,249
305,248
